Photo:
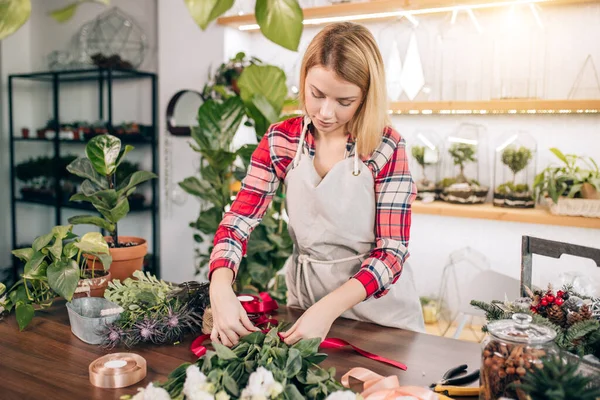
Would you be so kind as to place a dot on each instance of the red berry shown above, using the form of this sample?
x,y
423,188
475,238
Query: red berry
x,y
560,293
550,298
533,309
544,301
559,301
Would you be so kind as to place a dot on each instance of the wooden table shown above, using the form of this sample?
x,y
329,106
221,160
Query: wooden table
x,y
48,361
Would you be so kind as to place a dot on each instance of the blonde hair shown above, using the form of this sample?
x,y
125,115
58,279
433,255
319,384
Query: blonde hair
x,y
351,52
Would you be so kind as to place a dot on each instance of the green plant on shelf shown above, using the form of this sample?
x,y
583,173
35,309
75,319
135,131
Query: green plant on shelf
x,y
53,266
570,178
418,152
516,159
462,153
104,155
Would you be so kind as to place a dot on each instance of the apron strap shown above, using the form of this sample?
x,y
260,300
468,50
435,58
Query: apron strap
x,y
305,124
302,269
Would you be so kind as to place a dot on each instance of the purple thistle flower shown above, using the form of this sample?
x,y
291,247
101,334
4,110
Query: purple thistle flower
x,y
147,330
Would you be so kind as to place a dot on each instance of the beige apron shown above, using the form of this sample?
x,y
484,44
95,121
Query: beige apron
x,y
332,223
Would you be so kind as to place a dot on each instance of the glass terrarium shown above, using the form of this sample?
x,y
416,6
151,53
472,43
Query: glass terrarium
x,y
425,151
464,166
514,170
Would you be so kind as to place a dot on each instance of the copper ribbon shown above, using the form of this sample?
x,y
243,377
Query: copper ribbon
x,y
377,387
117,370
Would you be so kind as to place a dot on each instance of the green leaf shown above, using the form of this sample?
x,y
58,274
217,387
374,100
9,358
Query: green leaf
x,y
13,14
292,393
202,189
262,84
280,21
230,385
103,152
83,168
260,273
307,347
317,358
224,353
316,376
559,154
92,243
133,180
258,246
24,315
126,150
24,254
88,219
208,221
42,241
34,268
56,248
66,13
118,212
63,276
254,338
107,197
205,11
70,250
217,124
2,288
294,363
106,260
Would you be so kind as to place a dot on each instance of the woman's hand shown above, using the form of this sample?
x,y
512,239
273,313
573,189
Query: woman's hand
x,y
230,320
315,322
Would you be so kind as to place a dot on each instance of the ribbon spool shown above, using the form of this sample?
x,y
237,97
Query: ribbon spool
x,y
117,370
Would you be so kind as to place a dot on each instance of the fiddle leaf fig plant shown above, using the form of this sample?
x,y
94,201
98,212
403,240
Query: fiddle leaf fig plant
x,y
104,154
53,266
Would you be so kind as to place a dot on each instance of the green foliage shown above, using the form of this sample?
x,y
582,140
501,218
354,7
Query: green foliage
x,y
295,367
279,20
142,293
516,158
558,380
568,177
418,152
262,89
510,187
53,267
462,153
99,168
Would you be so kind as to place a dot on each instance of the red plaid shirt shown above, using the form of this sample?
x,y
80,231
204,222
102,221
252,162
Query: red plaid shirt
x,y
394,189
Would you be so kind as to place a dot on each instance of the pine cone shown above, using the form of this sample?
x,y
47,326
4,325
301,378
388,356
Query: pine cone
x,y
573,318
556,315
585,312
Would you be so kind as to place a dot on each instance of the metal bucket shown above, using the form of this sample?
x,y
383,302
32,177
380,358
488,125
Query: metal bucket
x,y
86,320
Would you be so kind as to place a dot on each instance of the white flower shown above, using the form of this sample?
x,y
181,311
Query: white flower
x,y
342,395
2,303
196,386
151,393
261,386
222,395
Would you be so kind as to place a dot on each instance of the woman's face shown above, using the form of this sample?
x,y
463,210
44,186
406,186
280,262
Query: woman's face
x,y
330,101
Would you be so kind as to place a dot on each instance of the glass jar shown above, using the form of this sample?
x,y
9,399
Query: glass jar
x,y
514,347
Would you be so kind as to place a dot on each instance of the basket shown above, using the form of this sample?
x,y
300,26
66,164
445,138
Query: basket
x,y
86,320
575,207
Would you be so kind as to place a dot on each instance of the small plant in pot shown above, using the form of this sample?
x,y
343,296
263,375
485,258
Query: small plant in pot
x,y
511,193
54,266
110,198
425,186
461,189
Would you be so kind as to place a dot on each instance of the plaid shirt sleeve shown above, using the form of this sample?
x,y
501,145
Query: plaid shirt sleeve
x,y
395,191
267,169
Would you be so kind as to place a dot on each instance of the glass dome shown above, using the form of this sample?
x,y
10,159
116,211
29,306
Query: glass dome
x,y
514,170
425,159
464,166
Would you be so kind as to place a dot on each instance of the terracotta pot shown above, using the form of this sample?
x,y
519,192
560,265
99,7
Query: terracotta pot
x,y
125,260
589,192
97,285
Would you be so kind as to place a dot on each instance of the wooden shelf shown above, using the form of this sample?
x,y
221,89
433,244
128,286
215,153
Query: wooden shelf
x,y
488,211
383,10
513,106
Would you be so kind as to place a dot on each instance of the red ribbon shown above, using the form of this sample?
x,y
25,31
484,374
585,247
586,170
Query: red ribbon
x,y
262,305
335,343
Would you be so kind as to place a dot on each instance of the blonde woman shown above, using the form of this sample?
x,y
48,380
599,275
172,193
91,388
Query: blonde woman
x,y
348,197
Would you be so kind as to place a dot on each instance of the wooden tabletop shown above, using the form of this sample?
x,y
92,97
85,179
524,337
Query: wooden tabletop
x,y
48,361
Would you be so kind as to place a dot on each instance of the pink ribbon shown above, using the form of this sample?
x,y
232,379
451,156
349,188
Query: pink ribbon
x,y
377,387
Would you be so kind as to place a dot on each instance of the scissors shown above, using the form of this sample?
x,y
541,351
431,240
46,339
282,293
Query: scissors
x,y
450,383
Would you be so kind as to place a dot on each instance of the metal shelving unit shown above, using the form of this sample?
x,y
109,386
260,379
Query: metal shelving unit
x,y
104,79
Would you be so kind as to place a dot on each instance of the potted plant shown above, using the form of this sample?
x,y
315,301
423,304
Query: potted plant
x,y
570,188
463,153
110,198
426,153
513,193
54,267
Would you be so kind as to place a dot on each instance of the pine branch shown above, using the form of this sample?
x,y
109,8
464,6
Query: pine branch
x,y
492,313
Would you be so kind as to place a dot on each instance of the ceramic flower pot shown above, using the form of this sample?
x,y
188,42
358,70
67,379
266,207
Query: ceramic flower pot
x,y
125,260
93,287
